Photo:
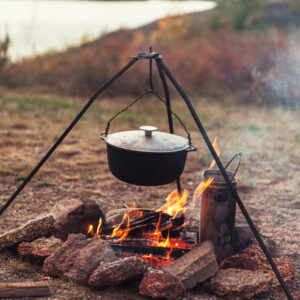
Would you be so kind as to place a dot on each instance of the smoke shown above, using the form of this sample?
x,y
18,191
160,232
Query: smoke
x,y
283,79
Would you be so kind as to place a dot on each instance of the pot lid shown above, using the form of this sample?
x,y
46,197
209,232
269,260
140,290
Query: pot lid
x,y
148,139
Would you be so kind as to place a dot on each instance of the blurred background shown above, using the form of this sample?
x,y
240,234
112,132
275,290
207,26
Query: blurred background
x,y
248,47
237,60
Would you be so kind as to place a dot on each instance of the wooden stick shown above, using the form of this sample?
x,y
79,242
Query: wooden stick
x,y
24,289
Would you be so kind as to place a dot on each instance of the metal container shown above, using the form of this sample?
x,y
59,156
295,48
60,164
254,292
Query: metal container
x,y
218,209
146,157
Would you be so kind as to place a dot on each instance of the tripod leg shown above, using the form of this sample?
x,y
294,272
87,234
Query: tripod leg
x,y
223,171
65,133
170,120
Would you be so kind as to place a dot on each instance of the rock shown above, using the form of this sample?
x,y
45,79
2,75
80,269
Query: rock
x,y
243,237
39,249
117,271
195,266
239,284
252,258
74,216
78,257
158,284
41,226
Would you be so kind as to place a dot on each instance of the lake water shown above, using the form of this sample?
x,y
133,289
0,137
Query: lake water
x,y
38,26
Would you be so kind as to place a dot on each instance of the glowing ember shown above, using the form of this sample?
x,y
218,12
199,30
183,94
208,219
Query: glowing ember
x,y
156,261
175,203
215,145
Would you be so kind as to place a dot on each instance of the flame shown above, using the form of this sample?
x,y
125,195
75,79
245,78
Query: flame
x,y
91,229
120,232
175,203
166,242
157,233
168,255
125,234
134,212
217,149
201,188
99,228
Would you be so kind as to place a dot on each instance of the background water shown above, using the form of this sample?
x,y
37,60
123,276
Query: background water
x,y
38,26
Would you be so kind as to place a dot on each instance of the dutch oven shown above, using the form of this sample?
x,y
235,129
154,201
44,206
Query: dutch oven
x,y
146,156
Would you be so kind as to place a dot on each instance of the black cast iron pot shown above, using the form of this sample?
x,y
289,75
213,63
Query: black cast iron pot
x,y
146,157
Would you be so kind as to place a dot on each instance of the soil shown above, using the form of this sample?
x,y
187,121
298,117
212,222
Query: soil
x,y
267,180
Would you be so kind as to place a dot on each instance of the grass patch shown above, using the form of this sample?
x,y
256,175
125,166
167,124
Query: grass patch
x,y
246,128
28,103
45,184
3,199
20,177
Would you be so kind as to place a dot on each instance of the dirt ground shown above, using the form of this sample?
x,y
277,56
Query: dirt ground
x,y
268,178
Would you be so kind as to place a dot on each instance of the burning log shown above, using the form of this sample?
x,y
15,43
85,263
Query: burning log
x,y
145,221
139,249
24,289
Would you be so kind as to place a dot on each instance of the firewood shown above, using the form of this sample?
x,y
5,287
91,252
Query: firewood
x,y
24,289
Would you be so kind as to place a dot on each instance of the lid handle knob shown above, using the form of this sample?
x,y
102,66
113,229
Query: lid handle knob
x,y
148,130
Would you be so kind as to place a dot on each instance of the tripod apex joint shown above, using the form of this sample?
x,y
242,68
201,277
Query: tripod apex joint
x,y
148,55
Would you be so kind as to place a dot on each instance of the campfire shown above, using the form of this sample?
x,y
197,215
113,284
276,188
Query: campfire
x,y
158,237
155,246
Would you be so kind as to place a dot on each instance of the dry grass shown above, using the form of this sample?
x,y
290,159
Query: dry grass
x,y
30,123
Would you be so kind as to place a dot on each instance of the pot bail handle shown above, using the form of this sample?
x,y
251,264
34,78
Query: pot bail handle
x,y
104,135
238,164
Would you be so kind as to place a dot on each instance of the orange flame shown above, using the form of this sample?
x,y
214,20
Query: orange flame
x,y
91,229
175,203
201,188
99,228
118,231
166,242
168,255
217,149
134,212
125,233
157,233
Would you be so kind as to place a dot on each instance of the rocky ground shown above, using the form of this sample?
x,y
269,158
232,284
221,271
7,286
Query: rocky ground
x,y
267,179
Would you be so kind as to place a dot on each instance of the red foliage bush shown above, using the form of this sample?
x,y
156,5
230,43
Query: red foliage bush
x,y
205,61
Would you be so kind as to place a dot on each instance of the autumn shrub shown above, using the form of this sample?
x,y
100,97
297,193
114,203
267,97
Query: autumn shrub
x,y
210,60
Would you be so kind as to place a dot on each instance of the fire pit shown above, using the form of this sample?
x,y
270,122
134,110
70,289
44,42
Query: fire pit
x,y
158,233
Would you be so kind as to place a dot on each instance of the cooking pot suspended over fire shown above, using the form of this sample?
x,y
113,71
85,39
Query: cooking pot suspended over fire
x,y
146,156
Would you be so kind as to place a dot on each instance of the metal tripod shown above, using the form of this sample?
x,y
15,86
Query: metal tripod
x,y
163,72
